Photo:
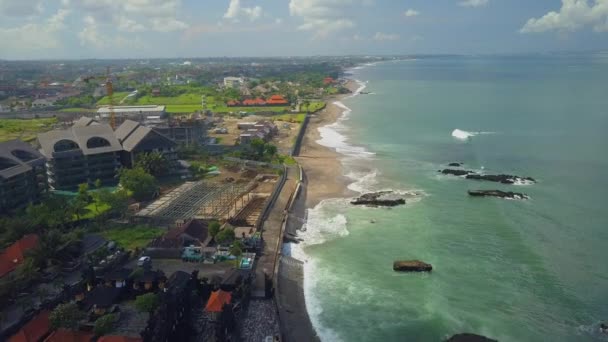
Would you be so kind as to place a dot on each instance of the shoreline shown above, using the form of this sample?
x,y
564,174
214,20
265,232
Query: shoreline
x,y
322,165
322,178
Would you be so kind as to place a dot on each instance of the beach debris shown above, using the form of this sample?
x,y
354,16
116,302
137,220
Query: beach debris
x,y
379,199
498,193
504,179
411,266
467,337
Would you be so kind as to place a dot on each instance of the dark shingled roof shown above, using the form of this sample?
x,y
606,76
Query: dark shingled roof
x,y
102,296
80,135
9,151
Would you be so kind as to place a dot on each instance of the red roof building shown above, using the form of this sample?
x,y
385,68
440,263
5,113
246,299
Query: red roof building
x,y
13,256
277,100
217,300
34,330
254,102
119,339
63,335
233,103
328,80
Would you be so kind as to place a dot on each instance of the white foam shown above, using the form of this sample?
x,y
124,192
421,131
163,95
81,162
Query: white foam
x,y
320,227
332,137
462,135
465,135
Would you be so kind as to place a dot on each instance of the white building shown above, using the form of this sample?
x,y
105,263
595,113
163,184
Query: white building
x,y
233,82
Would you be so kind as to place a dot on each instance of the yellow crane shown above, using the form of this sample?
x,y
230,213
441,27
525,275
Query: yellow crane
x,y
110,93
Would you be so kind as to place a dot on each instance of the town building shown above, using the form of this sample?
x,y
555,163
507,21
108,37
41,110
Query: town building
x,y
190,233
22,175
81,154
264,130
233,82
136,113
277,100
35,330
137,139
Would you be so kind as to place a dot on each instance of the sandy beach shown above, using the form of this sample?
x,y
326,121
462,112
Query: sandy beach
x,y
321,165
322,178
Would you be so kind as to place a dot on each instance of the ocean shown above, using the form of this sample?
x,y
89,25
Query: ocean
x,y
512,270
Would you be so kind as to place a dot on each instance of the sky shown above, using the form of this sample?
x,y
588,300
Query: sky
x,y
74,29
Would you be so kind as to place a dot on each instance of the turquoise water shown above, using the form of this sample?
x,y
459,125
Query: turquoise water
x,y
533,270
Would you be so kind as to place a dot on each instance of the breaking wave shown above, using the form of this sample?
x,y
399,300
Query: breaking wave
x,y
465,135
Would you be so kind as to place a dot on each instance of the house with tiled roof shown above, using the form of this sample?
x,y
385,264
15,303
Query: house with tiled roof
x,y
14,255
277,100
35,330
63,335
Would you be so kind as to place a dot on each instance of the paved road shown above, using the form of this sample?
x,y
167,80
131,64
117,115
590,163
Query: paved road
x,y
272,233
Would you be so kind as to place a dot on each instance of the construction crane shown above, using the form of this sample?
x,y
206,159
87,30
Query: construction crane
x,y
110,93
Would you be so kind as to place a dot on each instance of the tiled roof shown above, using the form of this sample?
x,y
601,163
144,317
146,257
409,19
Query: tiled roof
x,y
119,339
34,330
63,335
7,149
217,301
14,255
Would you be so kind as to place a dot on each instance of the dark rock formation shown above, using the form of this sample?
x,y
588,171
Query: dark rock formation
x,y
412,266
504,179
604,328
455,164
456,172
497,193
379,199
466,337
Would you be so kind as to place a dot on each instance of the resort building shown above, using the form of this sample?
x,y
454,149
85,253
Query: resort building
x,y
80,154
264,130
22,175
137,139
233,82
277,100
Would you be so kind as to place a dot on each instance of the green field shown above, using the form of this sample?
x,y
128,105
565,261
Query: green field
x,y
183,108
134,237
77,110
299,118
117,97
312,107
25,130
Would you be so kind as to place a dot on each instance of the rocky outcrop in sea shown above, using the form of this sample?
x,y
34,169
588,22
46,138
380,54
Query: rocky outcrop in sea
x,y
502,178
498,193
379,199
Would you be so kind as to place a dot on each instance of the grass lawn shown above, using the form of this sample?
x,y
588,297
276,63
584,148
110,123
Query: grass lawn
x,y
116,96
299,118
133,237
183,99
183,108
92,212
222,108
77,110
25,130
312,107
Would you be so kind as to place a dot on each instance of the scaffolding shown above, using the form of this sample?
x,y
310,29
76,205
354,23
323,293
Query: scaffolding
x,y
201,200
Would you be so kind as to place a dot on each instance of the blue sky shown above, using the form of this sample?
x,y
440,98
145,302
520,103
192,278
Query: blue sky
x,y
41,29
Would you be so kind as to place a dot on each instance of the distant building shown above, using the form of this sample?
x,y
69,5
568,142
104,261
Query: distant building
x,y
264,130
81,154
137,139
137,113
233,82
277,100
22,175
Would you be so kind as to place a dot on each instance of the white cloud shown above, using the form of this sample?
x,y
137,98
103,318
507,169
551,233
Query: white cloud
x,y
324,17
573,15
380,36
235,11
473,3
411,13
89,36
20,8
34,36
132,15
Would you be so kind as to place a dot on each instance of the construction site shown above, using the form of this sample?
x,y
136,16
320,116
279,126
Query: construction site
x,y
235,201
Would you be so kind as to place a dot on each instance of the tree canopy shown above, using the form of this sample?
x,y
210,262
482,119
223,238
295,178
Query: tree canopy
x,y
66,316
225,236
147,302
153,163
137,180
